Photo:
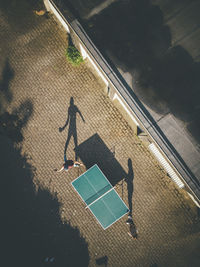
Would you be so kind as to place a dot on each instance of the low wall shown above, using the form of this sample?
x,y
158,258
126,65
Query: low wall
x,y
127,102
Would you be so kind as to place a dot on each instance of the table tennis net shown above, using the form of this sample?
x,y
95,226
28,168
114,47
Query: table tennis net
x,y
98,194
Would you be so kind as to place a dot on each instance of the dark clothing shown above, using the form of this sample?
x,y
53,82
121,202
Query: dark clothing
x,y
133,231
68,164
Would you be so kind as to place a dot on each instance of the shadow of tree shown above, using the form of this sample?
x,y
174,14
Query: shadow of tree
x,y
7,76
11,124
78,8
20,14
163,75
138,38
31,223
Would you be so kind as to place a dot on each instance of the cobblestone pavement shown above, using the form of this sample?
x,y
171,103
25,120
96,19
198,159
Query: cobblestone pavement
x,y
166,219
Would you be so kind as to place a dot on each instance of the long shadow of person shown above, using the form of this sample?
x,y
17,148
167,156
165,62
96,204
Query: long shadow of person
x,y
71,120
129,181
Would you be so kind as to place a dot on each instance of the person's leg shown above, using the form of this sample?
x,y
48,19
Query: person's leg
x,y
133,236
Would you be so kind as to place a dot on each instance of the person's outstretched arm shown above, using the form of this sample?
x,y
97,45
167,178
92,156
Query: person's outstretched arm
x,y
62,168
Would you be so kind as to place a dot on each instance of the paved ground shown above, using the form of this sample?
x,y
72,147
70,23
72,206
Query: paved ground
x,y
46,218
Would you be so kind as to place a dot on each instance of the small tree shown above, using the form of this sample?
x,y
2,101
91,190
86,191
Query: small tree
x,y
73,55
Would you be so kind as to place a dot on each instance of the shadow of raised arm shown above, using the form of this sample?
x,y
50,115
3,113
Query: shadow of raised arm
x,y
80,115
65,125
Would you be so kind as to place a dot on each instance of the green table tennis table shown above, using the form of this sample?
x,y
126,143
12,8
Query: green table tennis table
x,y
100,196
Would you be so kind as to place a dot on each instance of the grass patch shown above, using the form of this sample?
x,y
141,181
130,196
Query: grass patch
x,y
74,56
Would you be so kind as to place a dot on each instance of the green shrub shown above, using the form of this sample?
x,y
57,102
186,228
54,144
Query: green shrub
x,y
73,55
